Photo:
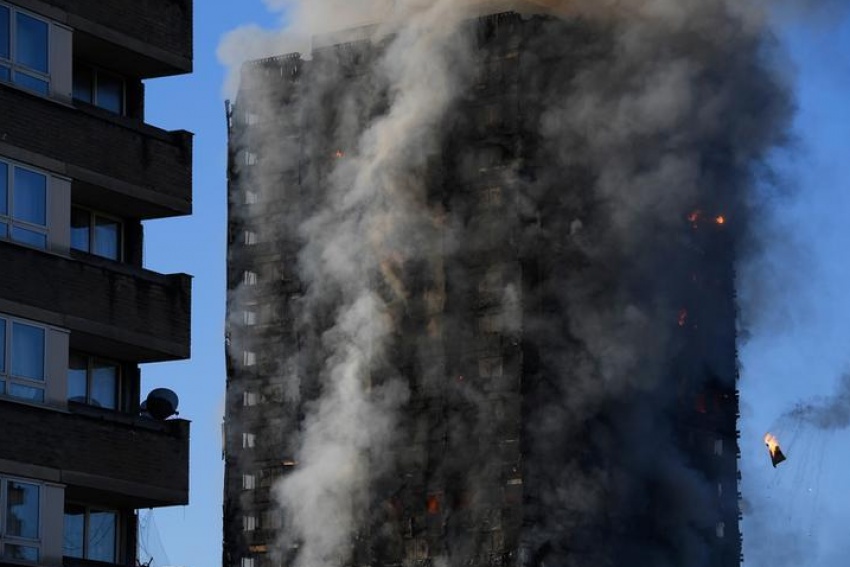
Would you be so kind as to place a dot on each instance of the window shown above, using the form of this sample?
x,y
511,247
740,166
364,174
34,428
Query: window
x,y
90,533
95,233
720,530
248,562
718,447
249,482
249,318
249,523
251,197
19,520
248,440
251,158
249,358
249,277
23,205
22,360
490,367
100,88
250,399
24,48
93,381
250,238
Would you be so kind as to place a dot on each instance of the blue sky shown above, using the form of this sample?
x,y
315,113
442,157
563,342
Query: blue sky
x,y
797,349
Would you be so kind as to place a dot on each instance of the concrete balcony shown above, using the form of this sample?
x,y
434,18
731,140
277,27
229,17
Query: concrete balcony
x,y
130,165
152,37
134,462
111,309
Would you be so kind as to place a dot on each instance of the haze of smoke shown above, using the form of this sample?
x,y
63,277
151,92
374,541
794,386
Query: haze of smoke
x,y
826,413
372,216
674,112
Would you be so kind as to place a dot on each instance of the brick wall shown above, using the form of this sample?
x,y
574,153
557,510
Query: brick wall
x,y
149,310
164,23
124,448
127,151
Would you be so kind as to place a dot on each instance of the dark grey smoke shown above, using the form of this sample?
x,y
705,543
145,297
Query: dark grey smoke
x,y
828,413
608,278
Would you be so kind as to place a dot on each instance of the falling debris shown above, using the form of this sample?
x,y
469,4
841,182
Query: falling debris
x,y
776,455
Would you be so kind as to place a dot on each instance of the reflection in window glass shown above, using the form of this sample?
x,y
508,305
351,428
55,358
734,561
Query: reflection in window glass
x,y
101,536
110,92
22,509
75,521
104,381
29,202
28,81
31,42
2,346
80,224
83,81
21,552
27,351
4,189
31,237
26,392
78,367
107,234
4,32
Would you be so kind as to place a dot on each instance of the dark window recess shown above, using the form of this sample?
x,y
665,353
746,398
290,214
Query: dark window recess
x,y
100,88
96,233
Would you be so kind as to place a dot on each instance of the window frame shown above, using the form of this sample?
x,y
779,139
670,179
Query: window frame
x,y
93,86
93,215
89,508
6,539
6,375
10,221
12,65
90,362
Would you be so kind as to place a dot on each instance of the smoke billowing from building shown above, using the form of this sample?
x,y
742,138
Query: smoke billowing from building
x,y
828,413
482,280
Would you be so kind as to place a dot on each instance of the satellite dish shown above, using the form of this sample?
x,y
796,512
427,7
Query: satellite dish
x,y
160,404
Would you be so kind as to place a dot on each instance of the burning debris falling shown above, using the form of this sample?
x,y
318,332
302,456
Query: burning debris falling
x,y
475,336
776,455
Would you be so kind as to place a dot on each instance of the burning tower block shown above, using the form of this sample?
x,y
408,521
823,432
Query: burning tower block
x,y
562,322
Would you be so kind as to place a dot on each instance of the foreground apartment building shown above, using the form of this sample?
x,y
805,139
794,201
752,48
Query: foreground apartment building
x,y
79,172
572,395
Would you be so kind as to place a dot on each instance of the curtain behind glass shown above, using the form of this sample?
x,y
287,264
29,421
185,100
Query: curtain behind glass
x,y
75,519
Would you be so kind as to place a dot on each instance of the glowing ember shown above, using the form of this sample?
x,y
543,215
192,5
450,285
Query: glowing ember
x,y
339,154
776,455
694,216
720,219
683,317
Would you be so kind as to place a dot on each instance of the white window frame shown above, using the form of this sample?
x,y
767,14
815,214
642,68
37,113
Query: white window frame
x,y
10,221
14,67
14,540
6,374
93,216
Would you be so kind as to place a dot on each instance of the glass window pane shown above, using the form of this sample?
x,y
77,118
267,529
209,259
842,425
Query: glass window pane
x,y
22,552
31,42
107,234
83,83
104,385
4,189
27,351
29,199
32,83
4,32
78,366
75,518
5,74
80,221
22,509
101,538
4,230
26,392
3,387
110,92
31,237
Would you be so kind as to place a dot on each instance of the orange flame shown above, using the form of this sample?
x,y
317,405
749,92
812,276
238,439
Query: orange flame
x,y
772,443
720,219
694,216
339,154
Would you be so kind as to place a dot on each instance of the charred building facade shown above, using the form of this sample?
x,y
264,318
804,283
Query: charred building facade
x,y
79,172
495,326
